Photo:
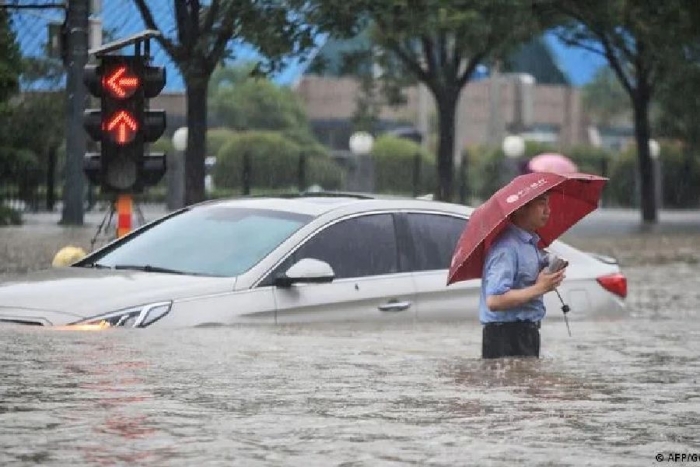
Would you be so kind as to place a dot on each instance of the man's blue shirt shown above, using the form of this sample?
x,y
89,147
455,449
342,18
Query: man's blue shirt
x,y
513,262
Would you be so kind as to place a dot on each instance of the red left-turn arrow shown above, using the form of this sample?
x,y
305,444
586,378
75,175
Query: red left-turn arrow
x,y
121,83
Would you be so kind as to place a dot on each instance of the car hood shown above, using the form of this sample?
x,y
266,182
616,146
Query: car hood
x,y
67,294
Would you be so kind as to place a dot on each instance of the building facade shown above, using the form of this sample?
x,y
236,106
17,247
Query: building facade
x,y
487,111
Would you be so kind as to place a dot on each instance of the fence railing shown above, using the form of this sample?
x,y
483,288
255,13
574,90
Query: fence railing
x,y
26,190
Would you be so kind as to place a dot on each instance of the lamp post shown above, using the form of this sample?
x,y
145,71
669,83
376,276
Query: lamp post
x,y
655,152
175,173
360,144
513,147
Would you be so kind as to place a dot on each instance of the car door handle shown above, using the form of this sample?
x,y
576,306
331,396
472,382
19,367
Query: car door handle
x,y
395,305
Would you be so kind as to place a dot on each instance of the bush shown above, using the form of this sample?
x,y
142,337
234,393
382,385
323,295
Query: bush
x,y
680,173
274,163
680,169
591,160
680,178
621,190
217,138
162,144
325,172
9,216
394,165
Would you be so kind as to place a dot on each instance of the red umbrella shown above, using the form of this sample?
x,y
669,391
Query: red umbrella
x,y
571,197
552,162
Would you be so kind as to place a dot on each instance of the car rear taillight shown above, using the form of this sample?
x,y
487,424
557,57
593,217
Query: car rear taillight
x,y
615,283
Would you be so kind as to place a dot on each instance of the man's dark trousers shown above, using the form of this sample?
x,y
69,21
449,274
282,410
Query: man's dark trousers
x,y
516,339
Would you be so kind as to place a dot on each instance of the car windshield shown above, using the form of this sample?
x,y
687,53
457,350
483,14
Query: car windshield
x,y
209,240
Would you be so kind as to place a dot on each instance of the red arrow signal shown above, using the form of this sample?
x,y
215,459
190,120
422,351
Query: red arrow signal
x,y
122,127
120,82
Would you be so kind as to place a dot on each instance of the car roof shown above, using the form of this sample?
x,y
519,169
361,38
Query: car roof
x,y
319,203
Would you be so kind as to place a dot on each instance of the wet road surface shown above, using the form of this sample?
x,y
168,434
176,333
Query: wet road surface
x,y
620,391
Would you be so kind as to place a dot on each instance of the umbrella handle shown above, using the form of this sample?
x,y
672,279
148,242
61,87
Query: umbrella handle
x,y
565,309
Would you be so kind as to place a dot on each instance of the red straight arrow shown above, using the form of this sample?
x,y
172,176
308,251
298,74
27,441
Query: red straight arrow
x,y
120,83
122,127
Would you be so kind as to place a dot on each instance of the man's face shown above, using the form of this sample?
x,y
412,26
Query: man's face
x,y
535,214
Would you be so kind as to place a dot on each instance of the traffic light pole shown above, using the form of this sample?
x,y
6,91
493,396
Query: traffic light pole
x,y
77,23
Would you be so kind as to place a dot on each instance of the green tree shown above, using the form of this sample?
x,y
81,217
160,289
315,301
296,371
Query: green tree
x,y
437,42
200,43
676,119
633,36
679,105
10,59
247,103
605,99
10,69
37,138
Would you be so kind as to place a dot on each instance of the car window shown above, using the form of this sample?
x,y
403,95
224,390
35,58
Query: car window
x,y
211,240
356,247
434,239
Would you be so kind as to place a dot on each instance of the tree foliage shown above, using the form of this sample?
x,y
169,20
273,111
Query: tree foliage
x,y
604,98
241,102
10,59
633,36
679,100
437,42
204,32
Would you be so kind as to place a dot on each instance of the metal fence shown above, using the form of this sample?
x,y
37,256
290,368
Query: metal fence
x,y
26,190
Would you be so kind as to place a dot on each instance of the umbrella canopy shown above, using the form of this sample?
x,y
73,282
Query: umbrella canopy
x,y
571,197
552,162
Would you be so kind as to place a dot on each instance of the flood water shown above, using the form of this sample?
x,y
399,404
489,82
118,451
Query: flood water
x,y
620,391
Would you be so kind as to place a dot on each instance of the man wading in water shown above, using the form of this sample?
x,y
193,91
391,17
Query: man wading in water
x,y
513,283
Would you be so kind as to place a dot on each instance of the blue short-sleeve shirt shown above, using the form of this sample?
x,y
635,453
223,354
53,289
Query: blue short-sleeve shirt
x,y
513,262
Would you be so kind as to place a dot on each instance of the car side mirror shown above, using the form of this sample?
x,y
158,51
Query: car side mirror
x,y
306,271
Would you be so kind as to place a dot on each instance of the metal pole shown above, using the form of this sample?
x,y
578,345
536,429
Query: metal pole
x,y
416,174
247,169
301,172
77,46
463,174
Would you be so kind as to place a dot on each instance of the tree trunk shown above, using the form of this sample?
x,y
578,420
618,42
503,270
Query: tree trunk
x,y
447,107
196,138
647,188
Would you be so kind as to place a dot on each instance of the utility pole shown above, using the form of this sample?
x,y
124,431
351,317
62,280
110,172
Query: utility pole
x,y
76,35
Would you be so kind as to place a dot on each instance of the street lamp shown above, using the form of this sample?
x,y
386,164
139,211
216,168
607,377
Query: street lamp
x,y
361,143
654,149
513,147
175,198
180,138
362,178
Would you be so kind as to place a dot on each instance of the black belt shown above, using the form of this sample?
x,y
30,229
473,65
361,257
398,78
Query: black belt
x,y
526,324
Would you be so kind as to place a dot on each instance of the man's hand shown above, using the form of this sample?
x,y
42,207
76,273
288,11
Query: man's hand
x,y
547,282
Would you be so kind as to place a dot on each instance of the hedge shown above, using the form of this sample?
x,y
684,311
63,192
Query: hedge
x,y
394,166
680,170
274,163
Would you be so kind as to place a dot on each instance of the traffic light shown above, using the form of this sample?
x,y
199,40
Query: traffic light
x,y
124,125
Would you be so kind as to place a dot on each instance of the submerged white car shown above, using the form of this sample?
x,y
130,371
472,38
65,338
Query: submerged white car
x,y
312,258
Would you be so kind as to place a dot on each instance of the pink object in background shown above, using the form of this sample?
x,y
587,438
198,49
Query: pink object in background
x,y
552,162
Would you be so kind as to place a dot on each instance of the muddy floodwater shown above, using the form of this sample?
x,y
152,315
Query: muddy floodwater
x,y
620,391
